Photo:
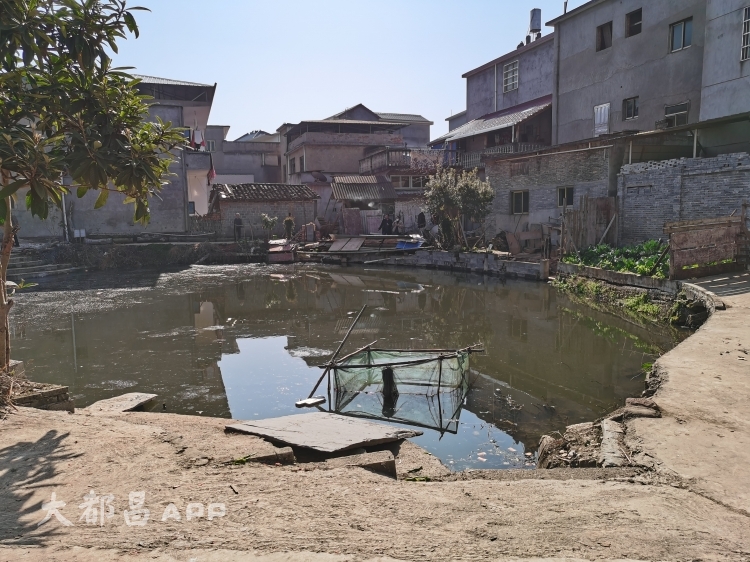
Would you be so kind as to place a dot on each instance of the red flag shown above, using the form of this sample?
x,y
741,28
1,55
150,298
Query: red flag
x,y
211,171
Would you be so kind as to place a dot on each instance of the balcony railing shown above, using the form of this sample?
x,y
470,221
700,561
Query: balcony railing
x,y
429,159
406,158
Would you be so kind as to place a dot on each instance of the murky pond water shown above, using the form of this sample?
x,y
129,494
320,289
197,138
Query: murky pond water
x,y
246,341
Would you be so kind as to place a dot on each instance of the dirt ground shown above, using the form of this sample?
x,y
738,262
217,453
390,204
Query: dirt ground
x,y
692,503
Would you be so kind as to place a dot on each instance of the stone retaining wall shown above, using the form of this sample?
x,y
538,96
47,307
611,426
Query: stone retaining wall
x,y
53,397
484,263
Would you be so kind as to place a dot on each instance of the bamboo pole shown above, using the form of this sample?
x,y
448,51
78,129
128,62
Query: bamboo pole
x,y
333,357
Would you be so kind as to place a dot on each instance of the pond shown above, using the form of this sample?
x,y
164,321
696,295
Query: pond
x,y
246,342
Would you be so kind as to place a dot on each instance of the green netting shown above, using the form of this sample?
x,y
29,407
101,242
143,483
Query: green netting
x,y
427,388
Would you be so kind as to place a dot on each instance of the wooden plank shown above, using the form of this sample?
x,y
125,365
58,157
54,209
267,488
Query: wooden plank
x,y
529,235
702,256
702,238
124,403
353,245
338,244
325,432
677,226
513,245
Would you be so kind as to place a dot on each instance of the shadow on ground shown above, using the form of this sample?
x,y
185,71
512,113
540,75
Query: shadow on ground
x,y
26,468
727,285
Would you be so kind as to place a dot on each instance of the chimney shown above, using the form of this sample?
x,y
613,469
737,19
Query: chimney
x,y
528,39
535,25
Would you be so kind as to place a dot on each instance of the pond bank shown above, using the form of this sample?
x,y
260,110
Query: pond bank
x,y
686,500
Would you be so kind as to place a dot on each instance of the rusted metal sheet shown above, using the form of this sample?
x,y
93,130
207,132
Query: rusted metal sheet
x,y
705,246
703,238
702,256
352,222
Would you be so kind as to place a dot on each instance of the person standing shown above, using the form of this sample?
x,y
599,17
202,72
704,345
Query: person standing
x,y
289,226
386,226
237,227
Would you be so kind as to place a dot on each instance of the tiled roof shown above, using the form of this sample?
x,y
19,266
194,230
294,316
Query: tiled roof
x,y
168,81
354,122
495,121
362,188
410,117
263,192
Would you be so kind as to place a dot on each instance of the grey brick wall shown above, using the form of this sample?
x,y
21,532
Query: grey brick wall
x,y
586,171
250,212
653,193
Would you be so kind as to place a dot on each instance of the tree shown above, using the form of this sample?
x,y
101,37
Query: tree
x,y
65,111
454,196
268,223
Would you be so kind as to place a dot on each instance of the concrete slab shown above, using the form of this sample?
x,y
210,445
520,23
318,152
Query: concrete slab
x,y
124,403
324,432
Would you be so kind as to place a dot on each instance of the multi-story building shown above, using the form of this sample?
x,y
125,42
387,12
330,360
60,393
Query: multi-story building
x,y
627,66
508,103
336,145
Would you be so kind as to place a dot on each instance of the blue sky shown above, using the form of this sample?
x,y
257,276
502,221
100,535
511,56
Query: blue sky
x,y
287,60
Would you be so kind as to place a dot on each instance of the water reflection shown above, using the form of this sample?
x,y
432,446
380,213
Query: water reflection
x,y
246,341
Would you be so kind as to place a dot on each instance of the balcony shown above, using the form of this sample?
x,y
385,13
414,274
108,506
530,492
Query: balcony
x,y
426,159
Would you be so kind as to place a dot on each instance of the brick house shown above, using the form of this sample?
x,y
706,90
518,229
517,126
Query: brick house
x,y
251,200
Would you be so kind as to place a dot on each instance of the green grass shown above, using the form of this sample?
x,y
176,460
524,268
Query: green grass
x,y
641,304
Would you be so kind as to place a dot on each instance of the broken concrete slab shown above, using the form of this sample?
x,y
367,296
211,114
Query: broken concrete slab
x,y
381,461
611,454
324,432
628,412
125,403
645,402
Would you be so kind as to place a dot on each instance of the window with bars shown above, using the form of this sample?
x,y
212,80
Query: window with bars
x,y
681,35
510,76
301,163
746,35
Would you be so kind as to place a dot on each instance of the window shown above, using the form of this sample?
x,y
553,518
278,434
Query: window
x,y
301,163
510,76
564,196
519,202
633,22
601,119
746,35
677,115
629,109
191,207
604,36
681,35
419,181
400,181
211,145
292,166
